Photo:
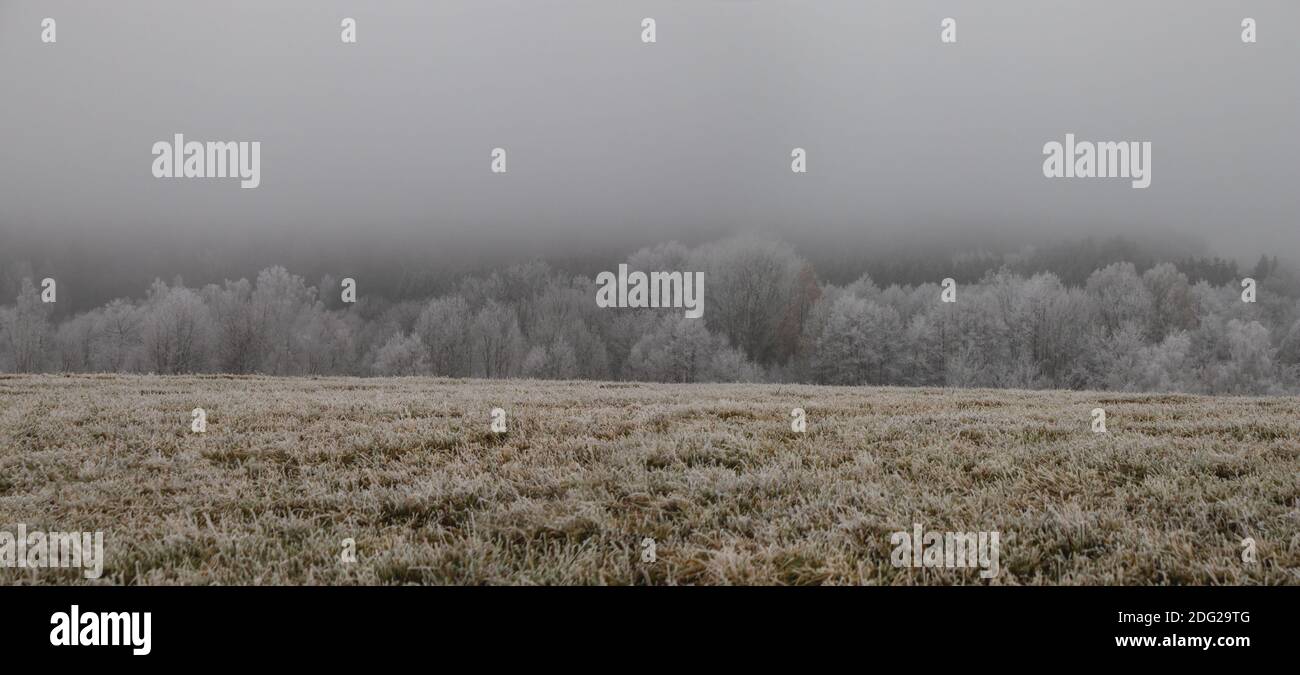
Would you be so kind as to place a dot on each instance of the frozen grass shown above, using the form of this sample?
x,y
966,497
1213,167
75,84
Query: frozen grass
x,y
290,467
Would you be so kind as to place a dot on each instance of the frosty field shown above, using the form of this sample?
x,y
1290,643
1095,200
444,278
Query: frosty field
x,y
407,467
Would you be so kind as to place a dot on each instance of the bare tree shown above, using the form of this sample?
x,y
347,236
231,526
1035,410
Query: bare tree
x,y
402,355
76,339
496,341
329,341
556,362
26,329
748,287
279,303
119,335
237,339
1119,295
175,330
678,349
443,329
1171,301
858,343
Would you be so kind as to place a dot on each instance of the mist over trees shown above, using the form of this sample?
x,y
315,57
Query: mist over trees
x,y
1113,317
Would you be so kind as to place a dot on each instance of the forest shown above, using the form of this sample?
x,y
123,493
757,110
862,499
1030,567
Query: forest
x,y
1105,315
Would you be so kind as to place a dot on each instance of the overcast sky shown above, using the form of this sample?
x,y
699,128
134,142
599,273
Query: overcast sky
x,y
608,136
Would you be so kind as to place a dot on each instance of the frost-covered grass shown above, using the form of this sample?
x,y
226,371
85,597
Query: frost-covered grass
x,y
290,467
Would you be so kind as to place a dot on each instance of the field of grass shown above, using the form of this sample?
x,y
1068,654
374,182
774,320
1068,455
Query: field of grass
x,y
408,468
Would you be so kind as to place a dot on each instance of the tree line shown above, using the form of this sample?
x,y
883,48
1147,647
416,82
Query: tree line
x,y
1146,326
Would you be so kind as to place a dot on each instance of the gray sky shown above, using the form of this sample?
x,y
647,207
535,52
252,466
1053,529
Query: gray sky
x,y
609,137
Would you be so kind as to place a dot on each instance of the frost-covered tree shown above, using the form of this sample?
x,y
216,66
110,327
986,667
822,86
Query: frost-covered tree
x,y
1171,301
1118,295
119,336
678,349
859,343
748,285
27,330
176,329
401,355
76,340
558,361
237,337
443,328
279,302
496,342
